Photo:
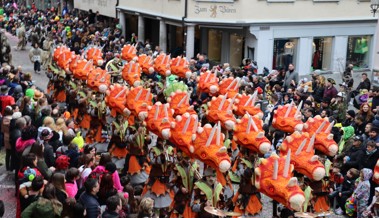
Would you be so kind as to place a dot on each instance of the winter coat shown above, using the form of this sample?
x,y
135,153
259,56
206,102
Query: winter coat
x,y
22,144
43,208
362,192
91,204
355,157
108,214
6,131
369,160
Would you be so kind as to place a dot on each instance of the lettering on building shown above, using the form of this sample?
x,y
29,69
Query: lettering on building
x,y
214,9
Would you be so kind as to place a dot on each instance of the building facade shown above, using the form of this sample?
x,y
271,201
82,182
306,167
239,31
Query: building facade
x,y
312,34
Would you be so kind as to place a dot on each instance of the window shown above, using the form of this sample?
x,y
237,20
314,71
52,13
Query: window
x,y
236,43
214,48
285,51
322,51
358,51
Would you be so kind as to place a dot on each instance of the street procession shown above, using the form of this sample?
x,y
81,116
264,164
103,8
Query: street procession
x,y
124,128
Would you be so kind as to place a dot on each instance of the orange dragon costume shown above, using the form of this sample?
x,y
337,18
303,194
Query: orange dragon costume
x,y
287,118
129,53
220,109
179,101
162,64
249,133
99,80
95,54
246,104
131,73
207,82
304,159
146,63
273,177
324,139
179,67
116,99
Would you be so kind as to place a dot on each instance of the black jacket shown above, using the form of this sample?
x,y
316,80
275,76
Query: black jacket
x,y
91,204
347,187
369,160
355,154
366,84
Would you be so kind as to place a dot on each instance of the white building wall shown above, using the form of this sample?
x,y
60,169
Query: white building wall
x,y
304,56
264,47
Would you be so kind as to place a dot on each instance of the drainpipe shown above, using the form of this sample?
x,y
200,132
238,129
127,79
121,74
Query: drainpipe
x,y
184,27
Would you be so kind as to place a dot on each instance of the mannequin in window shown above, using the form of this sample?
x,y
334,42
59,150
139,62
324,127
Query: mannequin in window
x,y
316,60
289,48
288,53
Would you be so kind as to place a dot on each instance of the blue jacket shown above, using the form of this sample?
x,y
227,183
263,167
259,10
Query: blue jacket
x,y
91,204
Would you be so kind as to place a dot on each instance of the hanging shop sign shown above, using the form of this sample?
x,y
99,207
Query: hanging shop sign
x,y
215,10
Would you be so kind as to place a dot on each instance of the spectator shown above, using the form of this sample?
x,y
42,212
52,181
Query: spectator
x,y
114,205
89,199
330,91
362,192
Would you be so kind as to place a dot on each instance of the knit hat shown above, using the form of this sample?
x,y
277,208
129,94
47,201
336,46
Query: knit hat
x,y
30,174
348,132
29,93
351,113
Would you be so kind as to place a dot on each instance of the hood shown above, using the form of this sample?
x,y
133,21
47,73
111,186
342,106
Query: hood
x,y
367,174
22,144
348,132
45,207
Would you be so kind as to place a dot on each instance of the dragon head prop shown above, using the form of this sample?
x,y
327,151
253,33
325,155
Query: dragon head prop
x,y
162,64
305,161
321,127
94,53
287,118
249,133
138,100
273,177
73,64
229,86
131,73
220,109
65,58
207,82
179,67
182,132
246,104
209,147
159,119
99,80
82,69
179,101
129,53
58,51
147,63
116,99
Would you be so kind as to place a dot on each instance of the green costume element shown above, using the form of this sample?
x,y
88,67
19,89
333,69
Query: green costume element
x,y
213,196
307,194
173,87
348,132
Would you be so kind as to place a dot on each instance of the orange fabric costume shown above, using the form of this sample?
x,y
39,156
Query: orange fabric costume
x,y
179,101
229,86
246,104
96,55
138,100
129,53
159,119
324,139
146,63
304,159
131,73
182,132
249,133
208,83
287,118
209,148
82,69
179,67
116,99
99,80
162,64
375,177
273,177
220,109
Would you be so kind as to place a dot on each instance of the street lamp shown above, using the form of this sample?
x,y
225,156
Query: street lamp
x,y
374,6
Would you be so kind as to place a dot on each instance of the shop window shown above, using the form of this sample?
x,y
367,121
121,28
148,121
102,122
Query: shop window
x,y
236,47
322,53
358,51
285,51
214,45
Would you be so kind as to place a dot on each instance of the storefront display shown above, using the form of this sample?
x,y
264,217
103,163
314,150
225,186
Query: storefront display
x,y
284,53
214,48
358,51
236,48
322,52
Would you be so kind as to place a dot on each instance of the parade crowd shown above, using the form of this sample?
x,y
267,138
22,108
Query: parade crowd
x,y
71,158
